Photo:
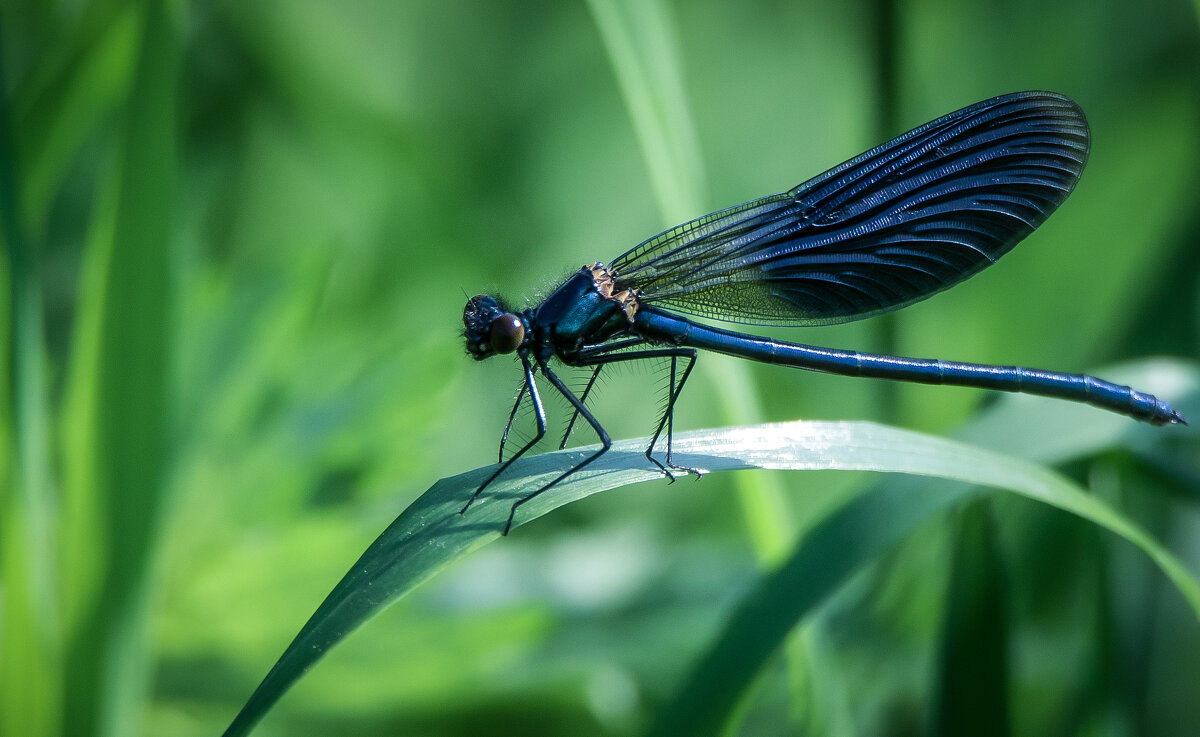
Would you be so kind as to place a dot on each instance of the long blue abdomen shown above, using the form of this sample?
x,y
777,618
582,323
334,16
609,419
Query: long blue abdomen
x,y
1074,387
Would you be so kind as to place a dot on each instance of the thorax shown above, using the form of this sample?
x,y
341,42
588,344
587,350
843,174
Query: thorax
x,y
588,308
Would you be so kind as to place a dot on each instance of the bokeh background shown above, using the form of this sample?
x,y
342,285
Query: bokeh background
x,y
238,238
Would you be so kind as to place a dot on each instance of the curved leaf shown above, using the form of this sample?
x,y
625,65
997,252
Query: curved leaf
x,y
867,526
431,533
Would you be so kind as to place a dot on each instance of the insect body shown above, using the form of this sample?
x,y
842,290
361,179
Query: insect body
x,y
888,228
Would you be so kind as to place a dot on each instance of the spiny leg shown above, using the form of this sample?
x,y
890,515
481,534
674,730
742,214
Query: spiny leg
x,y
539,414
586,353
582,400
605,440
666,421
668,416
512,416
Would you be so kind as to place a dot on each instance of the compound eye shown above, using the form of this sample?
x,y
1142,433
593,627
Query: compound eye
x,y
507,333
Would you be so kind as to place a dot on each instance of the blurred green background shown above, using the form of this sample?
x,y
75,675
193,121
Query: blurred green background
x,y
238,238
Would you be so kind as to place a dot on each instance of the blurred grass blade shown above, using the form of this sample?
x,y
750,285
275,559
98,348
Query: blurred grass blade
x,y
972,689
1054,432
640,39
867,526
30,643
642,44
76,86
431,533
825,559
118,451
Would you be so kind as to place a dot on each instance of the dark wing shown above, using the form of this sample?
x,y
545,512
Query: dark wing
x,y
888,228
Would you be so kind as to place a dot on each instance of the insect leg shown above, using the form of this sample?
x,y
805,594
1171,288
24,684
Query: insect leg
x,y
669,415
667,419
583,400
584,412
540,415
512,416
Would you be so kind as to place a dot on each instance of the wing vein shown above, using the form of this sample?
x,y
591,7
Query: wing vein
x,y
889,227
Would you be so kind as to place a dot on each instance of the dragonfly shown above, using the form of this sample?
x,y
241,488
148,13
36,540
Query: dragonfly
x,y
888,228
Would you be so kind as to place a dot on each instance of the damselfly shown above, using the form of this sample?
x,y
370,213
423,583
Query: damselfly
x,y
893,226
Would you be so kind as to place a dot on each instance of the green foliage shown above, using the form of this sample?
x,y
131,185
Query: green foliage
x,y
236,240
431,532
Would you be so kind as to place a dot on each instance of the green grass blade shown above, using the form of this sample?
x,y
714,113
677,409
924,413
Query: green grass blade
x,y
870,524
640,40
119,412
642,45
1054,432
836,548
431,533
30,642
826,557
76,87
972,682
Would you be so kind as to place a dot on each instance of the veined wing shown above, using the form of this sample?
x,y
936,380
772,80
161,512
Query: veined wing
x,y
890,227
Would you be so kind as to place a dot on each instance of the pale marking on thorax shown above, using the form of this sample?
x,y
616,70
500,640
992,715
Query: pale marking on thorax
x,y
606,281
